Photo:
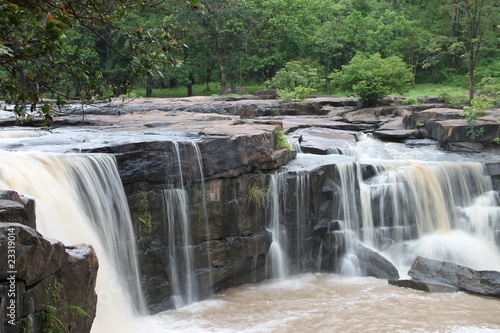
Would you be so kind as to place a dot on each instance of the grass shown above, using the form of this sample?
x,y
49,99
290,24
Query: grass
x,y
432,89
418,90
198,90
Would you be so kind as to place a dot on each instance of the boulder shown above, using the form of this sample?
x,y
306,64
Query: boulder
x,y
374,264
253,110
49,278
233,91
77,278
36,257
443,272
266,94
424,286
397,135
418,143
16,208
456,130
464,147
377,115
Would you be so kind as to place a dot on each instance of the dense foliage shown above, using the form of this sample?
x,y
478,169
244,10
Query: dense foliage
x,y
93,49
373,77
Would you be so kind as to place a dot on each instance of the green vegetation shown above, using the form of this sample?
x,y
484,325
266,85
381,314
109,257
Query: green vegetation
x,y
281,141
53,51
472,113
257,195
51,322
373,77
144,215
410,101
449,96
295,81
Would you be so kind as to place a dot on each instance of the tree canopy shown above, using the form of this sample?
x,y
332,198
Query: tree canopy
x,y
94,49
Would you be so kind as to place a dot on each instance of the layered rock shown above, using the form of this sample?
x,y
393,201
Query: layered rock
x,y
44,282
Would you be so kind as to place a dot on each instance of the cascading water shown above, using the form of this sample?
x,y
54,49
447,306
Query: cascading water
x,y
80,199
412,203
277,251
185,284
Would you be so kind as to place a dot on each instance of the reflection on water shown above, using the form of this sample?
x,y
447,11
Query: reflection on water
x,y
330,303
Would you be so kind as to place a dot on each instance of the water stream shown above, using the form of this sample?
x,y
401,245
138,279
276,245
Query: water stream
x,y
415,202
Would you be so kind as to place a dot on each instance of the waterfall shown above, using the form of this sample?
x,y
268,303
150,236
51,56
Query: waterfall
x,y
287,251
80,199
179,247
445,211
277,250
187,285
430,206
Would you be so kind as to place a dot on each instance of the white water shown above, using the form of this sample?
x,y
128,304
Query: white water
x,y
185,285
304,303
79,199
420,201
277,258
455,213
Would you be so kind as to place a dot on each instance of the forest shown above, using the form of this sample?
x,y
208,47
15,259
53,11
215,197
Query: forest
x,y
96,49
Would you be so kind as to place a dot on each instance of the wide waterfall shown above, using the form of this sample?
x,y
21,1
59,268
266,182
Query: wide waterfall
x,y
401,202
80,199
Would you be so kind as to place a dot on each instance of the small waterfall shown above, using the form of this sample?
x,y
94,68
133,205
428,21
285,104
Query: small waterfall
x,y
288,191
182,272
80,199
302,219
179,247
277,250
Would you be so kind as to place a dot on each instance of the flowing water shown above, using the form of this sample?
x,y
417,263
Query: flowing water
x,y
328,303
417,202
80,199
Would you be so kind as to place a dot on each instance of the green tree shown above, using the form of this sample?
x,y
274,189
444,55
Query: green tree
x,y
373,77
296,80
477,17
36,60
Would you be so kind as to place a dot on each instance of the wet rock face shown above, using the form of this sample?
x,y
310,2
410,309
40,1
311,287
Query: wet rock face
x,y
227,232
45,278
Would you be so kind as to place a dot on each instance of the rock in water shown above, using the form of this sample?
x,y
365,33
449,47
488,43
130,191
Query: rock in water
x,y
373,264
436,271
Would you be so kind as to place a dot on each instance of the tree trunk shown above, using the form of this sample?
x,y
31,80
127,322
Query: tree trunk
x,y
190,85
149,88
471,79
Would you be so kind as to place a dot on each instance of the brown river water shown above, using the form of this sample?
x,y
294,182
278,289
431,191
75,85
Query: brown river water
x,y
331,303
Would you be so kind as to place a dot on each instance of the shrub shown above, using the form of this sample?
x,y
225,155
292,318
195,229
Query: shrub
x,y
282,141
373,77
472,113
410,101
296,74
449,97
298,93
295,81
